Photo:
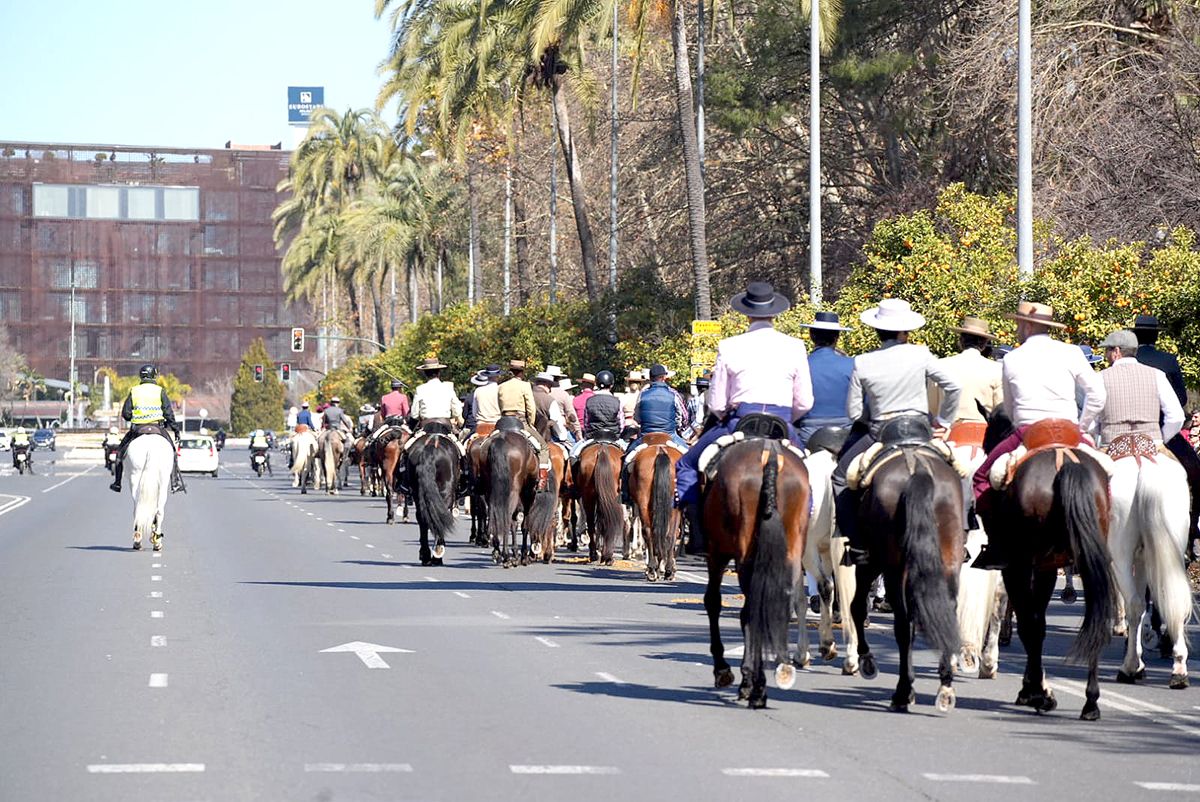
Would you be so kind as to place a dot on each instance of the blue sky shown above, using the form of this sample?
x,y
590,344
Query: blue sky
x,y
180,73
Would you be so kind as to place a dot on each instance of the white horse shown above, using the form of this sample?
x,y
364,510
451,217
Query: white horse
x,y
1147,537
820,563
151,460
304,457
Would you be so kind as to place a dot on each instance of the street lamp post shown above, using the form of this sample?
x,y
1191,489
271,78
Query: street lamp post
x,y
71,351
1024,142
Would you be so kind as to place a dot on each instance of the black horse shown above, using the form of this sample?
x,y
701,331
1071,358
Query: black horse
x,y
433,465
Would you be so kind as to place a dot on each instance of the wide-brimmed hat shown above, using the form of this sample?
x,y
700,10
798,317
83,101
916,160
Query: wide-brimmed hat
x,y
556,371
588,378
827,321
1124,339
491,370
479,379
974,325
1031,312
635,377
1091,356
760,300
545,376
516,364
660,372
565,383
893,314
1146,323
432,363
304,404
335,400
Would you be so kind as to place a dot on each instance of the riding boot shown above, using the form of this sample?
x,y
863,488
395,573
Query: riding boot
x,y
625,498
993,556
177,485
116,483
697,543
856,552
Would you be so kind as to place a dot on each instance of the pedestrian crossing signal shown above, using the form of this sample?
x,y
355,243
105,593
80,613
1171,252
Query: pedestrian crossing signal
x,y
258,373
285,371
297,339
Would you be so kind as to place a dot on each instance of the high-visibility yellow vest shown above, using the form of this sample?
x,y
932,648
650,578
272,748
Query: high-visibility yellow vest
x,y
20,439
260,441
147,404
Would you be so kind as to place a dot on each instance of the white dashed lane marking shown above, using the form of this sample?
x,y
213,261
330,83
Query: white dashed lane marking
x,y
158,680
158,640
500,615
564,769
1003,779
604,675
156,613
750,772
144,768
462,595
1186,788
156,578
367,768
546,642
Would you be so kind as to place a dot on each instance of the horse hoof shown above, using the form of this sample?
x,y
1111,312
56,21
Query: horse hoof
x,y
1069,595
814,603
802,661
651,575
757,701
987,672
829,653
439,551
743,692
867,667
1178,682
1048,703
969,660
849,669
723,677
897,706
1120,630
137,545
536,548
669,576
1124,678
785,676
945,700
157,546
1091,712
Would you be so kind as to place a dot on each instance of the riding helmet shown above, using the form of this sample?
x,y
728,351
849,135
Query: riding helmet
x,y
604,379
148,373
396,384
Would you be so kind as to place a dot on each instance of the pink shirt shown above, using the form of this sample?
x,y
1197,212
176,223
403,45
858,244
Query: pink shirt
x,y
762,366
394,403
579,401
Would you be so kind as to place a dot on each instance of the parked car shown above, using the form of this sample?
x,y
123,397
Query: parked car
x,y
198,454
5,441
44,438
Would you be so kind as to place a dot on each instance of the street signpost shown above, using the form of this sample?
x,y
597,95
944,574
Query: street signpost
x,y
705,336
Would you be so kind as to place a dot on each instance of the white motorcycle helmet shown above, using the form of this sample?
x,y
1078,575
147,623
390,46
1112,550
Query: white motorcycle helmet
x,y
112,430
20,430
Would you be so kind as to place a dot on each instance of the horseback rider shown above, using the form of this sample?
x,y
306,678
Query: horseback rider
x,y
149,411
550,407
393,410
1137,396
760,371
587,386
659,410
886,384
305,416
1040,380
603,417
20,445
973,371
478,379
561,393
434,401
487,397
366,414
516,401
697,407
633,389
831,370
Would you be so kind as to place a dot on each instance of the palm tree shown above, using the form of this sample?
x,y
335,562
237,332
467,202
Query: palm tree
x,y
824,16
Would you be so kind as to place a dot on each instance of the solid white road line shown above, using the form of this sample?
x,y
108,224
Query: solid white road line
x,y
501,615
604,675
158,640
358,767
979,778
462,595
143,768
158,680
817,773
343,531
564,769
13,502
385,556
1125,704
546,642
68,479
156,613
1187,788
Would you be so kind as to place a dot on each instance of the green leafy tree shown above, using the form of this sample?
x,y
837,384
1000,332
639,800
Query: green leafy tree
x,y
256,405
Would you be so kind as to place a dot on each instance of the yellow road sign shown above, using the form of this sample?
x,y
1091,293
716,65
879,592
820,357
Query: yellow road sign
x,y
706,327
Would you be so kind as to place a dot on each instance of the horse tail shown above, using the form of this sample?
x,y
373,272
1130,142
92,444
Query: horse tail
x,y
541,515
662,496
1160,515
431,503
1075,492
609,513
927,588
499,488
769,597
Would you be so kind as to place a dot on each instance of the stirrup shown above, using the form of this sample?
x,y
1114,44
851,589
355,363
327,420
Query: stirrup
x,y
990,559
115,487
852,557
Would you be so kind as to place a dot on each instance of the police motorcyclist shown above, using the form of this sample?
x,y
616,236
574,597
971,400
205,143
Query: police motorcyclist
x,y
147,405
112,442
260,444
20,445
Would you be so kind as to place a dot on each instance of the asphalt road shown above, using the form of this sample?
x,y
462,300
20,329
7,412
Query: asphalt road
x,y
203,673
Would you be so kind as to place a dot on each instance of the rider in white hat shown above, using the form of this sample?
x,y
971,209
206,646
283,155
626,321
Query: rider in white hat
x,y
887,383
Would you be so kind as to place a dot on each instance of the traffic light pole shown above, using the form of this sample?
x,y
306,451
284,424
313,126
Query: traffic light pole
x,y
375,343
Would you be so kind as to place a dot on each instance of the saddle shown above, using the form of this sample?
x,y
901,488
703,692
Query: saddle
x,y
755,426
967,433
1138,446
908,437
828,438
435,431
653,439
762,424
509,423
1061,436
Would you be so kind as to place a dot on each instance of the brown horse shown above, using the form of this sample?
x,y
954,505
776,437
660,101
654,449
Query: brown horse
x,y
597,479
543,519
368,471
755,512
386,453
510,483
1055,511
911,515
652,488
477,468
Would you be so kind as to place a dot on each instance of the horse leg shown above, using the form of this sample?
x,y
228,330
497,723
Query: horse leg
x,y
802,658
905,630
722,673
864,577
1130,575
989,656
589,514
1030,591
829,651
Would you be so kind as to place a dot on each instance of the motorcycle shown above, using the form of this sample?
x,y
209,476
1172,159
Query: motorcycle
x,y
110,458
259,462
21,457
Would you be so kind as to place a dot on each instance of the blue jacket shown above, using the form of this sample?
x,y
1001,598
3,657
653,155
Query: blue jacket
x,y
656,410
830,370
304,417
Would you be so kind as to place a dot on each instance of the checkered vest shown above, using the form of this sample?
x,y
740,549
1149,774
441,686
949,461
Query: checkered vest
x,y
1132,405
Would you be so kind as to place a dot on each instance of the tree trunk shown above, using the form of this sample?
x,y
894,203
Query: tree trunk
x,y
508,214
413,300
520,224
378,306
355,309
691,162
475,271
566,140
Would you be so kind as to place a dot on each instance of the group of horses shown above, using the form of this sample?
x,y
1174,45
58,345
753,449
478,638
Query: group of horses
x,y
768,508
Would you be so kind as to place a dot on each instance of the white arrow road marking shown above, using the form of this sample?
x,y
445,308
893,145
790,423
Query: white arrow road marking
x,y
12,503
368,652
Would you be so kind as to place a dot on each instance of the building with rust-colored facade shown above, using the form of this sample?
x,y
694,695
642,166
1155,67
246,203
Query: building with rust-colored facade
x,y
170,252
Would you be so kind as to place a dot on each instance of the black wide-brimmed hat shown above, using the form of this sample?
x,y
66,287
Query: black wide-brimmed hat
x,y
826,321
1146,323
760,300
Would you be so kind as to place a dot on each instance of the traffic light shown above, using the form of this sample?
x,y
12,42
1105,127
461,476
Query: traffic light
x,y
285,371
258,373
297,339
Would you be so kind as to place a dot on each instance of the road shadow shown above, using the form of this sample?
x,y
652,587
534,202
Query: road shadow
x,y
101,548
464,585
385,563
626,690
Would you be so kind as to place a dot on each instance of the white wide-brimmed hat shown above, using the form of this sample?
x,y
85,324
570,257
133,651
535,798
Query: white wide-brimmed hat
x,y
565,383
556,371
893,314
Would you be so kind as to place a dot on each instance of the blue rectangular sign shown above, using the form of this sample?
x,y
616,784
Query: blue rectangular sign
x,y
301,102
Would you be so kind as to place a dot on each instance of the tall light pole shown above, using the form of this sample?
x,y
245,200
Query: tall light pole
x,y
814,165
1024,142
71,349
612,169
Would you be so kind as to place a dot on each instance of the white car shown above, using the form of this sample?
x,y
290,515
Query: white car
x,y
198,454
5,441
